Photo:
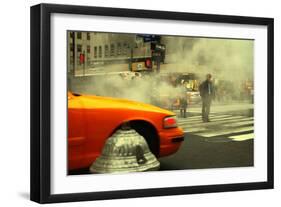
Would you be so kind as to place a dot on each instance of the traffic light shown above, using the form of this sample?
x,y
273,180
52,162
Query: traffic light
x,y
148,63
82,58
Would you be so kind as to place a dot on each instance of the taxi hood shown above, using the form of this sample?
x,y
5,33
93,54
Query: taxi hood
x,y
91,101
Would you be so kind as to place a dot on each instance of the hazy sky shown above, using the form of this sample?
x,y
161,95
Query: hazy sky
x,y
224,58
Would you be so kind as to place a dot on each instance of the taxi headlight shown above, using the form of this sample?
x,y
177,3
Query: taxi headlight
x,y
170,122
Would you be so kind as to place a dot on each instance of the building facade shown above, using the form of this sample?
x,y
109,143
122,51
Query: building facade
x,y
92,49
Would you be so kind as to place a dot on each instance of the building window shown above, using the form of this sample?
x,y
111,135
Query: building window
x,y
79,35
89,61
71,47
119,49
112,50
71,60
88,36
95,52
71,34
79,48
125,48
88,55
106,51
100,51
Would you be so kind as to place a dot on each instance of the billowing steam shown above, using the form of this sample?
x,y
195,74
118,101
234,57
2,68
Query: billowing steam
x,y
225,59
144,88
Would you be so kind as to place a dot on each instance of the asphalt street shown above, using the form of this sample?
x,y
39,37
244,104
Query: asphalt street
x,y
226,141
200,153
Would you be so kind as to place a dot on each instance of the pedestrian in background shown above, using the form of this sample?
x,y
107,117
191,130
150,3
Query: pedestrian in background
x,y
183,100
207,93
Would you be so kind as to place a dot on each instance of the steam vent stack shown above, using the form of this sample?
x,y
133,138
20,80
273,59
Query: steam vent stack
x,y
125,151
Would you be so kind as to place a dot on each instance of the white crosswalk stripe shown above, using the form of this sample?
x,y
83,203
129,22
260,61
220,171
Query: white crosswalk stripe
x,y
194,118
235,127
225,131
242,137
230,121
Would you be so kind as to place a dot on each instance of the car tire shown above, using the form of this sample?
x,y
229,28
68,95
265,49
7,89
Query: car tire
x,y
149,133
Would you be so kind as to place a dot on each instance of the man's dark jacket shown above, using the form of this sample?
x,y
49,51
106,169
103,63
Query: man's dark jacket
x,y
204,90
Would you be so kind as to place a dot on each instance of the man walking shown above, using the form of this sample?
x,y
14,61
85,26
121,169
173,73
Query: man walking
x,y
207,93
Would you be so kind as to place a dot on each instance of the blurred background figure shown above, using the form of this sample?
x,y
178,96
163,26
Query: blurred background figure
x,y
207,93
183,100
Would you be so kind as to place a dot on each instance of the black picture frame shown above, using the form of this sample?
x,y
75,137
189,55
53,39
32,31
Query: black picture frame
x,y
41,98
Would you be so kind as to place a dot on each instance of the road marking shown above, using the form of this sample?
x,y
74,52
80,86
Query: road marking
x,y
242,137
199,127
223,132
241,123
200,117
222,125
228,121
196,129
212,120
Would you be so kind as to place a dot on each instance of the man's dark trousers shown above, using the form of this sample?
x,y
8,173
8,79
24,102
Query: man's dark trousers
x,y
206,104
